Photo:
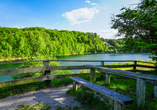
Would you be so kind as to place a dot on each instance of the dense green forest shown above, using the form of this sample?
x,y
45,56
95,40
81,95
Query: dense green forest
x,y
34,41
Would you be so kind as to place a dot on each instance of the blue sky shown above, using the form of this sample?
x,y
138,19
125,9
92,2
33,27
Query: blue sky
x,y
78,15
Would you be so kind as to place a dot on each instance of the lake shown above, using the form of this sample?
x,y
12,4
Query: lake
x,y
108,56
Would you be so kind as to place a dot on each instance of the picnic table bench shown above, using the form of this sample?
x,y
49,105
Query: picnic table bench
x,y
119,99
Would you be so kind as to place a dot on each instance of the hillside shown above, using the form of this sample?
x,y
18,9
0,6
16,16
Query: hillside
x,y
33,41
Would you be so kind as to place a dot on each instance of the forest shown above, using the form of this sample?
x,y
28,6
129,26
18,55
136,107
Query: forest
x,y
34,41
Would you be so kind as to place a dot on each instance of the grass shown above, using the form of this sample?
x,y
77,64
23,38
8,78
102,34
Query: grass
x,y
74,107
39,106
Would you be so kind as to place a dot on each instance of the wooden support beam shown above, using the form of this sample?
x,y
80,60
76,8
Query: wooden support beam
x,y
107,79
74,86
135,64
102,63
140,92
92,75
47,72
117,106
155,91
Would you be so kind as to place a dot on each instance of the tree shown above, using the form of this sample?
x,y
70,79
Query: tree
x,y
139,26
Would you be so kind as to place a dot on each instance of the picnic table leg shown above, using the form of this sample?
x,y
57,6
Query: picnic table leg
x,y
107,79
117,106
92,75
74,86
140,95
155,91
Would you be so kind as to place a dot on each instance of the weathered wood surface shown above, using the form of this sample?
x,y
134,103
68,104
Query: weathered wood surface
x,y
47,72
92,75
129,77
145,66
35,79
134,67
68,61
106,92
142,71
155,92
66,67
118,66
36,69
74,86
140,92
146,62
127,73
21,70
107,79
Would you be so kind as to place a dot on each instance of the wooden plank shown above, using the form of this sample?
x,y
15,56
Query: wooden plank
x,y
127,73
68,61
140,92
146,62
74,86
35,79
107,79
36,69
142,71
92,75
145,66
129,77
155,92
66,67
106,92
21,70
24,81
118,66
117,106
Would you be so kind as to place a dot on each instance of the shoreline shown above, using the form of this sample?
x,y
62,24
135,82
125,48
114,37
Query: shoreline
x,y
22,58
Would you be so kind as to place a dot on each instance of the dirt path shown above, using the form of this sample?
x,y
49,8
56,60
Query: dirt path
x,y
50,96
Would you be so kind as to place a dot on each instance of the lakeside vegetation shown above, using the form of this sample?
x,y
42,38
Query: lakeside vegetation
x,y
33,41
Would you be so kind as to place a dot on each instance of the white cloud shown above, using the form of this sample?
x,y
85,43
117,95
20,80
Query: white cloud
x,y
87,1
15,27
94,4
85,14
108,33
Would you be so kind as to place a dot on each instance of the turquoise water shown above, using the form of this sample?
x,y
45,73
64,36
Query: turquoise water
x,y
143,56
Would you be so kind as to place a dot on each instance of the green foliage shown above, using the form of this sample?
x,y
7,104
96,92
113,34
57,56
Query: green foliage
x,y
75,107
35,41
37,64
89,100
139,27
38,106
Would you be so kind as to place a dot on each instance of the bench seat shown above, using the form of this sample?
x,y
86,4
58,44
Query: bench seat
x,y
117,97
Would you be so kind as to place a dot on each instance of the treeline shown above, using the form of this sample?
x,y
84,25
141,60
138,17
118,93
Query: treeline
x,y
115,44
33,41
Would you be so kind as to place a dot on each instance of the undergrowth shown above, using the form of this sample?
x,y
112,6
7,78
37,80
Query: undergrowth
x,y
38,106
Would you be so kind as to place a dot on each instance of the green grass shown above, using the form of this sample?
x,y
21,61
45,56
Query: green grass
x,y
74,107
39,106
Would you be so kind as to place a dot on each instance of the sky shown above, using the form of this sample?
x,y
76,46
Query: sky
x,y
79,15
